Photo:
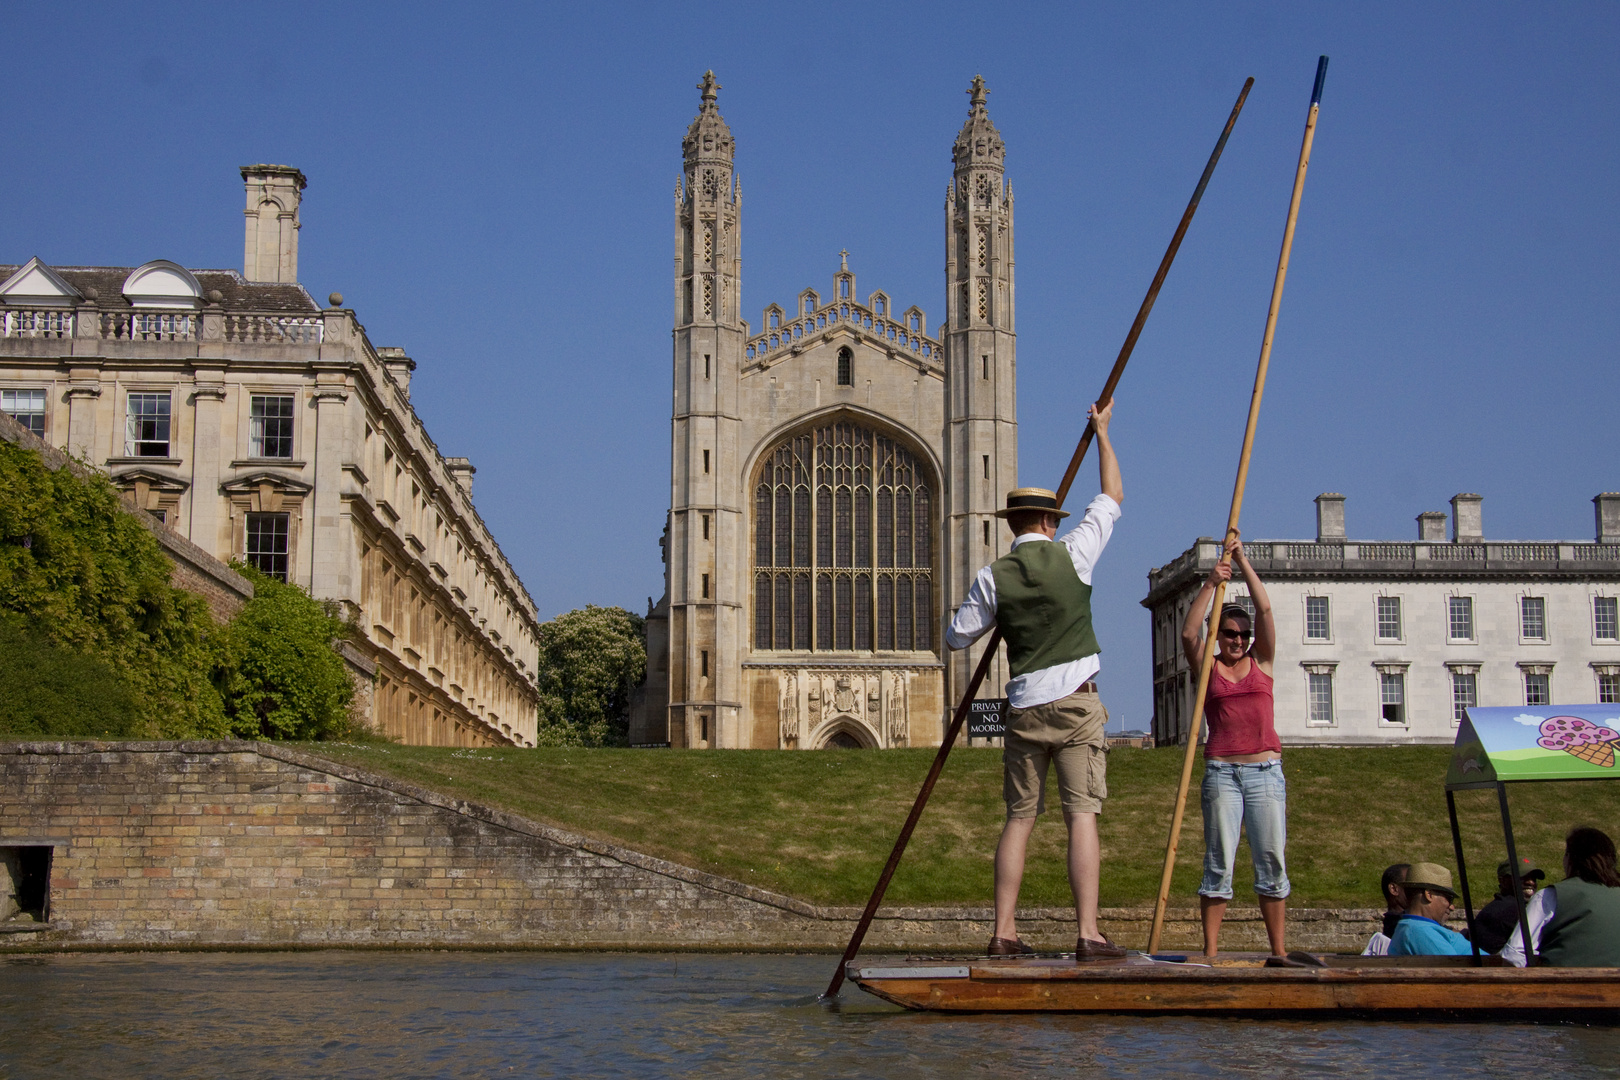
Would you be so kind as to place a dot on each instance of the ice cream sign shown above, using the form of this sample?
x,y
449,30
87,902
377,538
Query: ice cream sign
x,y
1549,742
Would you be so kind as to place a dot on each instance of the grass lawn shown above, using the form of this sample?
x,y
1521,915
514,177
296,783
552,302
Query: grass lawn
x,y
819,825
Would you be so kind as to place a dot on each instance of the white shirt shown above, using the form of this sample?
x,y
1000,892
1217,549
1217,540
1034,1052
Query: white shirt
x,y
978,612
1538,913
1377,945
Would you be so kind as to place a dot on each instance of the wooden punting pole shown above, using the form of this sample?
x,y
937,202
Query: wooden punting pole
x,y
1208,661
994,642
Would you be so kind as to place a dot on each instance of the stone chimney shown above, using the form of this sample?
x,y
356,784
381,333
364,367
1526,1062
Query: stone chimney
x,y
1467,519
1329,517
270,252
1432,526
399,367
1608,517
462,469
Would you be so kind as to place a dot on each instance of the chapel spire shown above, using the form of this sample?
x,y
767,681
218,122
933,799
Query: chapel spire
x,y
978,143
708,138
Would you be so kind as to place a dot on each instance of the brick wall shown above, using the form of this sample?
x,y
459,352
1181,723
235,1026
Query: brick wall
x,y
238,843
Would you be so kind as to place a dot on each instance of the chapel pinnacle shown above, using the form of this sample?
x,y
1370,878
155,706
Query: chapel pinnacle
x,y
978,143
708,139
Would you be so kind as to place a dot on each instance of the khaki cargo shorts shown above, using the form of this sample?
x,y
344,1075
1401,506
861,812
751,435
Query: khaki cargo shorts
x,y
1068,733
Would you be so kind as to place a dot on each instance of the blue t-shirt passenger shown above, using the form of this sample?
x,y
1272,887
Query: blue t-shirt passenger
x,y
1416,935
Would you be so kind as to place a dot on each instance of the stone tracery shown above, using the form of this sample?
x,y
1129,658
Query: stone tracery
x,y
843,544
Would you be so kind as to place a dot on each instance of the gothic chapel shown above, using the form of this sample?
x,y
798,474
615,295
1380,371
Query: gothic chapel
x,y
834,476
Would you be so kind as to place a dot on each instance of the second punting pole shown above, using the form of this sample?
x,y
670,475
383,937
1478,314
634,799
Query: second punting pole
x,y
1207,663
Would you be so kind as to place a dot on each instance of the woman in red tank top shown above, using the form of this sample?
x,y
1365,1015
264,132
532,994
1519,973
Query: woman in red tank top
x,y
1243,789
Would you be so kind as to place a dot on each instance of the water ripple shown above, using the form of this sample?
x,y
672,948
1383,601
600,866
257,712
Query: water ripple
x,y
473,1015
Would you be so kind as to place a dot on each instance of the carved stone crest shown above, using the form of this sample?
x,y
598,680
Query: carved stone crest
x,y
844,699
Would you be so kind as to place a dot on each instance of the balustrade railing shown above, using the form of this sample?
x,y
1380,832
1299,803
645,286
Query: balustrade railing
x,y
1457,552
1394,557
1526,552
1310,552
36,324
275,329
149,326
1388,552
894,332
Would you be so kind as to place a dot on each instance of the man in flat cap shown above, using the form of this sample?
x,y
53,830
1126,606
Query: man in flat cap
x,y
1039,593
1429,897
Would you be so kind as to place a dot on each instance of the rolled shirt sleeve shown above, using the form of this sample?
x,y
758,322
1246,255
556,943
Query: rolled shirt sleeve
x,y
977,613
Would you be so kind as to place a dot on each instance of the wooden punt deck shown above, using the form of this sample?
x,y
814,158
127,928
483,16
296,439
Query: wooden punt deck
x,y
1389,987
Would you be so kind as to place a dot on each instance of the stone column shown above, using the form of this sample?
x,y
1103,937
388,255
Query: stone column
x,y
328,574
203,525
83,400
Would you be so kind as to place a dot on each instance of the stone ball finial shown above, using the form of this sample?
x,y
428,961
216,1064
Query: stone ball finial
x,y
215,296
336,299
92,293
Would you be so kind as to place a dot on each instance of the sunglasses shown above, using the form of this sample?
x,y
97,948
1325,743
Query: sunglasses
x,y
1241,635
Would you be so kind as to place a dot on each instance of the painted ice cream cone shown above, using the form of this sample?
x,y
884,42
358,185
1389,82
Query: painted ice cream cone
x,y
1597,753
1581,738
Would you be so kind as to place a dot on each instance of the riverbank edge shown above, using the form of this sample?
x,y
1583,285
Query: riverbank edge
x,y
807,928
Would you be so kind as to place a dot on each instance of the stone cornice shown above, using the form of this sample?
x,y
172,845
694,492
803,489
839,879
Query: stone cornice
x,y
1352,560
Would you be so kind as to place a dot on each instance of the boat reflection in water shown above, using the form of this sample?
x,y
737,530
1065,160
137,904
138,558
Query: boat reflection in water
x,y
468,1014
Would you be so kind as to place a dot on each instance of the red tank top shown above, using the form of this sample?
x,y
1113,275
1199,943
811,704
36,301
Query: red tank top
x,y
1240,714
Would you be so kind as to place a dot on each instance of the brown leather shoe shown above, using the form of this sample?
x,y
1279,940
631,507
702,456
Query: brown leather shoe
x,y
1087,949
1000,946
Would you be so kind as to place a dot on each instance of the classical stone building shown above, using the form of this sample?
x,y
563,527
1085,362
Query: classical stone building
x,y
834,475
1386,641
263,427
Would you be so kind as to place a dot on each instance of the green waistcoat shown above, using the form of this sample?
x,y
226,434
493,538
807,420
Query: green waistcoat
x,y
1585,928
1042,607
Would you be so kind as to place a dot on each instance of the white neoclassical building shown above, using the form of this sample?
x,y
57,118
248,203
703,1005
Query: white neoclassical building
x,y
834,472
264,427
1388,641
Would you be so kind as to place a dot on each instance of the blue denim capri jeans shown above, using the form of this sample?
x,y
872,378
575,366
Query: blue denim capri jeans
x,y
1248,798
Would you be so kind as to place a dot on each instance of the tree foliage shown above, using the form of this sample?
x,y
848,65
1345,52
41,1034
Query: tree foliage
x,y
82,576
276,666
590,662
50,692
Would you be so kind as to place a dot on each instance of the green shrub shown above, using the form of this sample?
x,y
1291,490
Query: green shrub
x,y
277,669
49,692
590,661
86,577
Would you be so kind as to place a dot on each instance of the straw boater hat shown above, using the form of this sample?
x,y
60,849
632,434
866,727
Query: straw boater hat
x,y
1032,499
1431,876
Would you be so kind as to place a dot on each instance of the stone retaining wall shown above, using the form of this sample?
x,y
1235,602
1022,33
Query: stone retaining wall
x,y
230,844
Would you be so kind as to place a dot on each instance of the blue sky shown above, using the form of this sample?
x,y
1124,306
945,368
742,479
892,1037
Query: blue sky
x,y
490,189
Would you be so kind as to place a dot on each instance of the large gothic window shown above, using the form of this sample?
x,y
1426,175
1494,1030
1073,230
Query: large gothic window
x,y
843,544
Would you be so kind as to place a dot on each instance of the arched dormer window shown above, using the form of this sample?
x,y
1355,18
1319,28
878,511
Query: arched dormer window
x,y
162,284
846,368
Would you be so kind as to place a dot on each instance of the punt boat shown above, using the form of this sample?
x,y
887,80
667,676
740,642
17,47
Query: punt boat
x,y
1495,747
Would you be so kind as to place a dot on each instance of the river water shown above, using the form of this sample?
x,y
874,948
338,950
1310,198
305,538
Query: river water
x,y
469,1015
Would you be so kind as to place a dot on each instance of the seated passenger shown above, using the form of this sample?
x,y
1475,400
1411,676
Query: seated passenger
x,y
1428,897
1576,923
1497,919
1389,887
